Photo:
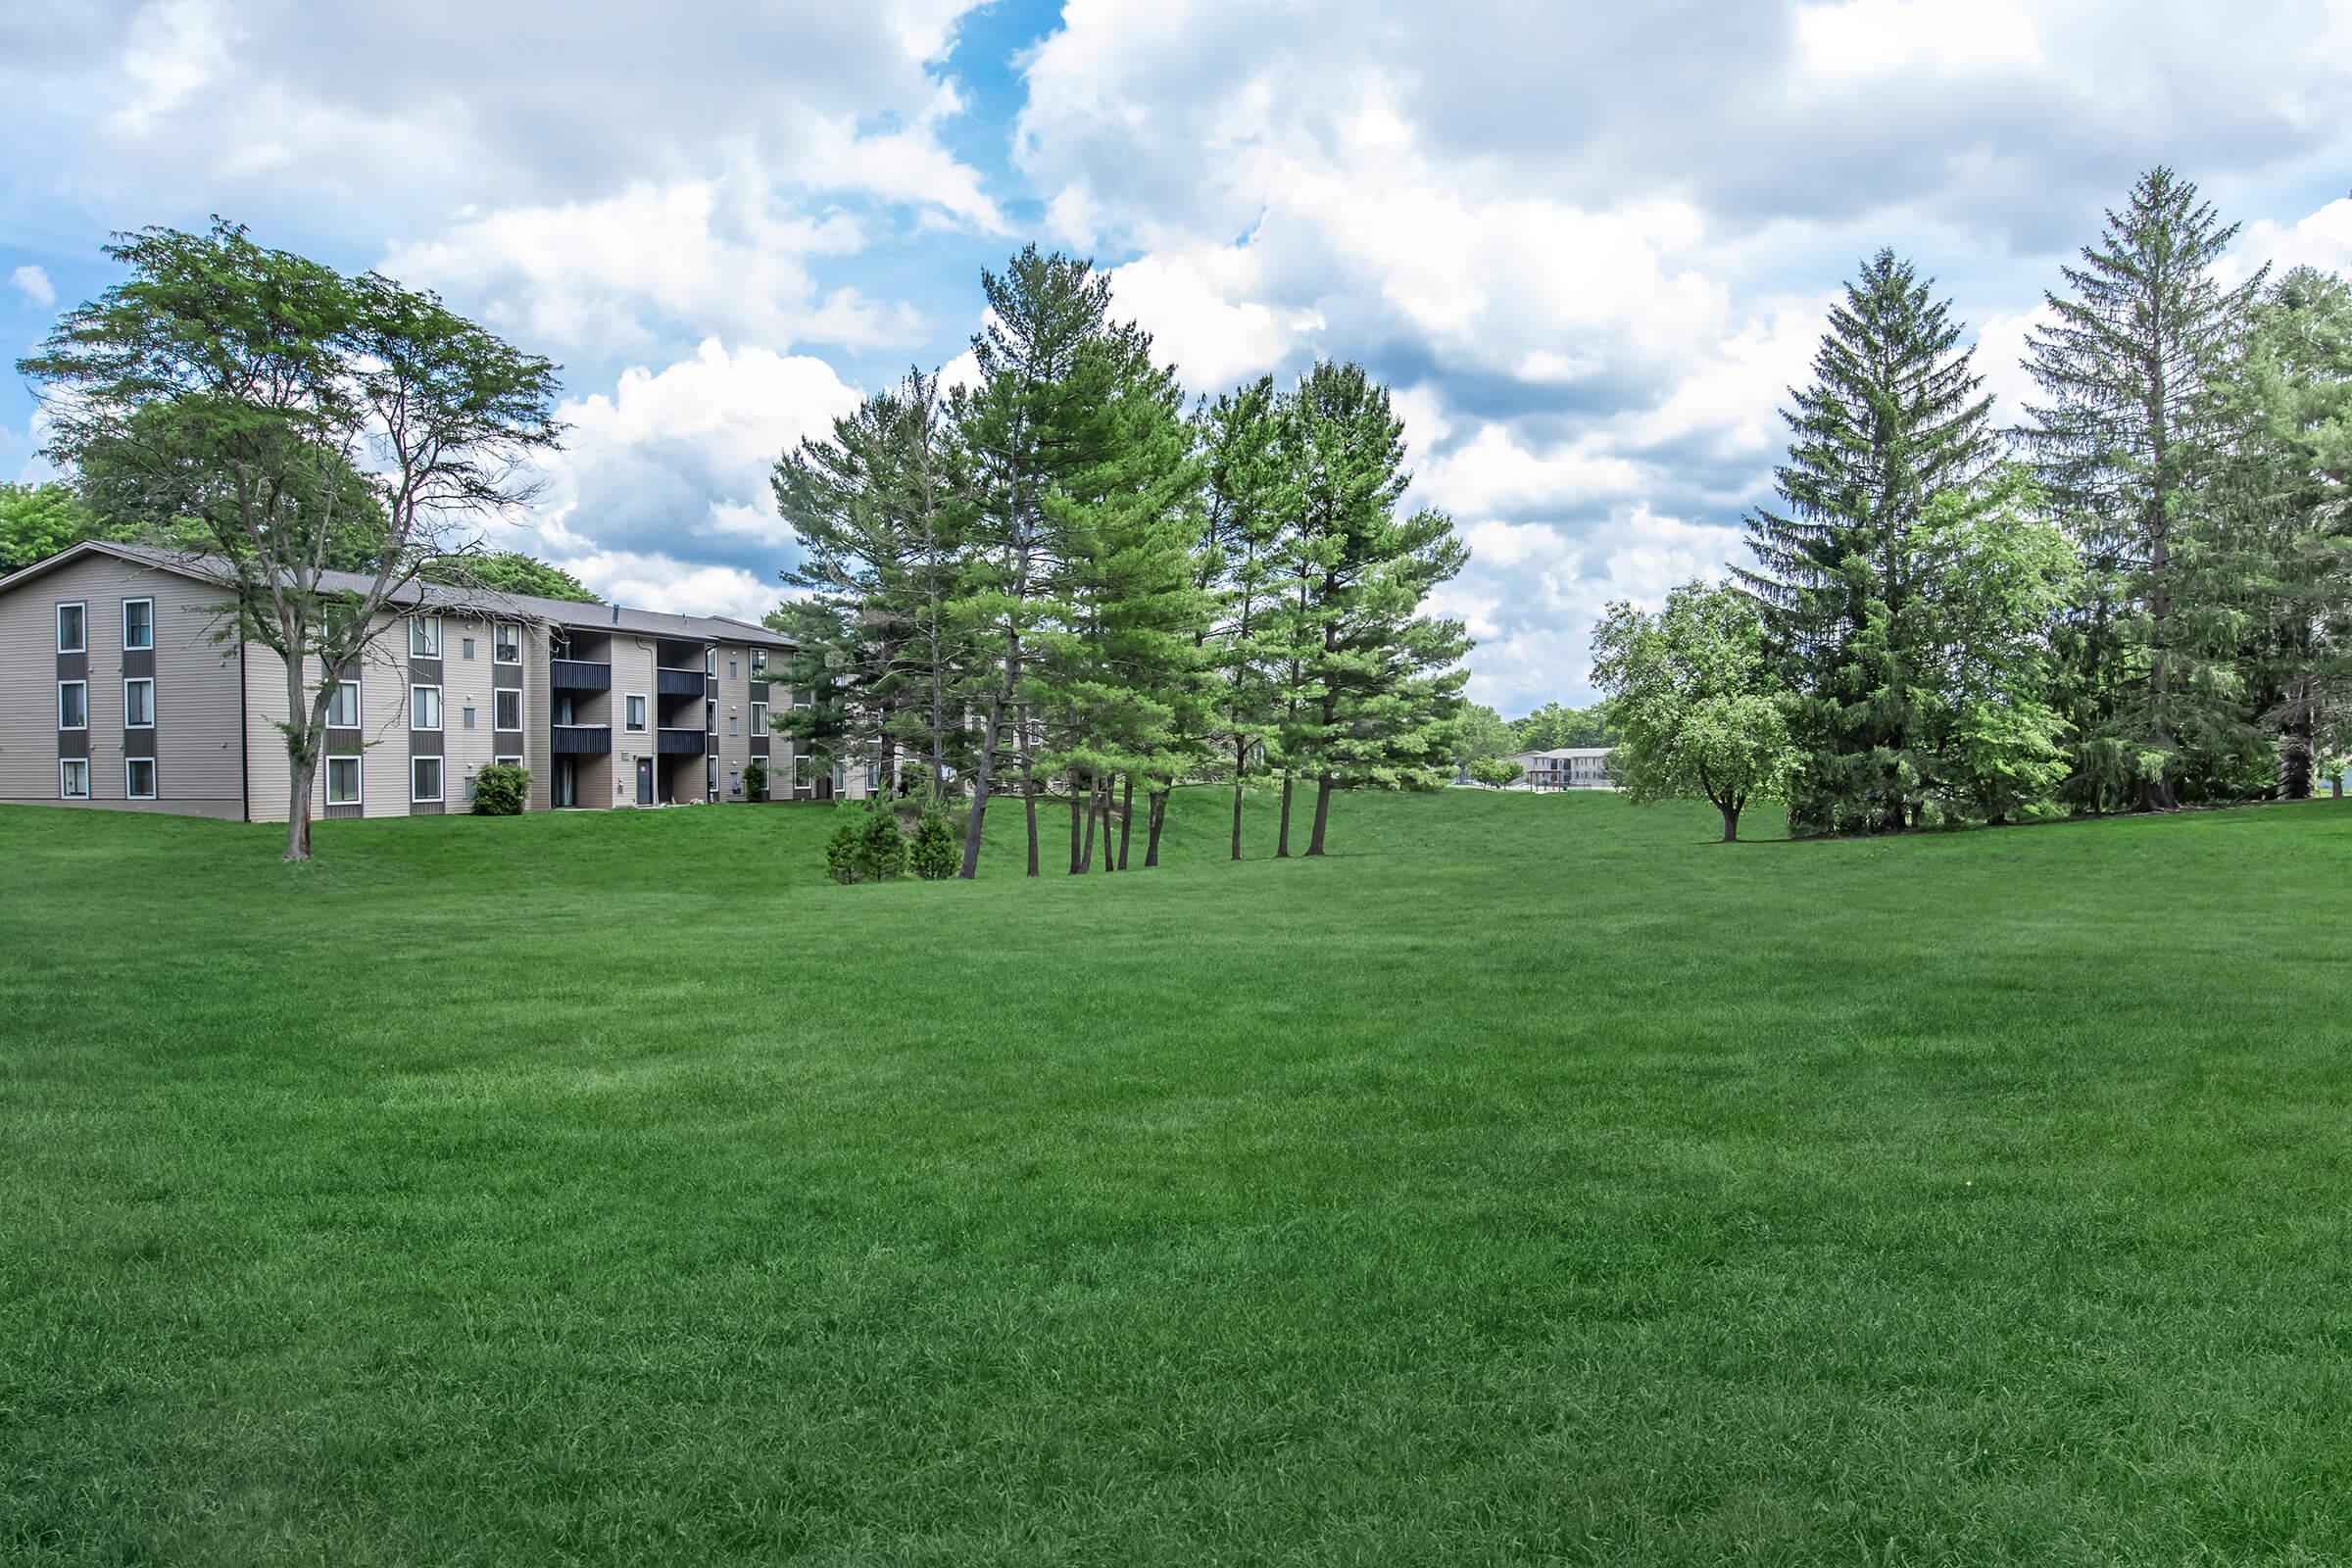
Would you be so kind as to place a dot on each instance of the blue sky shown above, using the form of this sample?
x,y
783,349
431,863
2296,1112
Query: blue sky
x,y
1588,246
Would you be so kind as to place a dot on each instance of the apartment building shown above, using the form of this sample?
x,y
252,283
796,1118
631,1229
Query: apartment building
x,y
122,686
1565,767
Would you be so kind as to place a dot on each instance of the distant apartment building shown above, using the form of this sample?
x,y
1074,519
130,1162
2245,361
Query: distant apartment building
x,y
1565,767
122,686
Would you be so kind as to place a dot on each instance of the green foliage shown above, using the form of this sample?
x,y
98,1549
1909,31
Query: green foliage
x,y
867,844
1557,724
754,779
935,852
37,521
1498,771
501,788
2126,445
1893,425
1700,706
510,571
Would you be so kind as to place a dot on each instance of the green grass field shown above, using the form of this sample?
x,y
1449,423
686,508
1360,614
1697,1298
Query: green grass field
x,y
1532,1181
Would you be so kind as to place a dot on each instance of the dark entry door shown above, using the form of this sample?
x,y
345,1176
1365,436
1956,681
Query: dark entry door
x,y
645,781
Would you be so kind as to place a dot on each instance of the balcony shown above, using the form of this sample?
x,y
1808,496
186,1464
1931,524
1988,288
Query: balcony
x,y
678,682
582,740
679,742
578,676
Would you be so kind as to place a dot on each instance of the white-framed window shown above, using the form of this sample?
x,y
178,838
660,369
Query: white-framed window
x,y
73,778
709,717
138,703
734,781
507,762
343,709
138,623
507,644
466,716
711,776
424,707
73,705
424,636
758,662
344,781
424,778
759,718
730,669
466,649
74,628
138,778
840,779
633,714
506,708
732,721
874,778
709,660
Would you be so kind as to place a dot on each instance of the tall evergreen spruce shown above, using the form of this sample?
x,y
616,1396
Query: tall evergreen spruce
x,y
2287,488
2123,442
1894,422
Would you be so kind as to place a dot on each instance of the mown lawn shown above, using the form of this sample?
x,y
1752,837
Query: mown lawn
x,y
1532,1181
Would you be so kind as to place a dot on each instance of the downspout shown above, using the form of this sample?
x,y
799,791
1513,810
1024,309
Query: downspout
x,y
244,737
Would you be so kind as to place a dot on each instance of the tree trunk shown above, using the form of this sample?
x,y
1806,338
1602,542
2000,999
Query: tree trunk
x,y
2336,786
1127,817
1077,864
1237,819
1282,834
1029,782
1086,860
1731,823
2295,743
1314,842
972,824
1103,806
1158,811
300,772
302,756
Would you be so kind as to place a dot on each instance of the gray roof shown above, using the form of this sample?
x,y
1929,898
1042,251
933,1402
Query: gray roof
x,y
429,596
1565,753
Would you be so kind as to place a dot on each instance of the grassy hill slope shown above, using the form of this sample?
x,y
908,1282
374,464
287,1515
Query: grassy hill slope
x,y
1532,1180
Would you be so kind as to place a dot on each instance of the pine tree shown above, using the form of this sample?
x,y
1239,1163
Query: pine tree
x,y
1037,416
1372,681
2284,487
1893,421
1241,516
2122,444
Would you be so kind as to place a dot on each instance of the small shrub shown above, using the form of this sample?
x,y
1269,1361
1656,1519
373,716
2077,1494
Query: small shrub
x,y
868,845
501,788
882,844
936,855
754,779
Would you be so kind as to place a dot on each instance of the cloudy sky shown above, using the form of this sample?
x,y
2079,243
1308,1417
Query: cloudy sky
x,y
1588,244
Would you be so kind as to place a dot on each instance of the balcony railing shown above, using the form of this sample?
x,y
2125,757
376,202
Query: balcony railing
x,y
578,676
678,682
582,740
679,742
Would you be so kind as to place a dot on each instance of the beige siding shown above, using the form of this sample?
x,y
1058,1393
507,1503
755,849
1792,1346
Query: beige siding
x,y
198,765
466,683
535,709
632,674
383,677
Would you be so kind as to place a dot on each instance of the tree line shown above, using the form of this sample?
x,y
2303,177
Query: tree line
x,y
1072,585
2139,597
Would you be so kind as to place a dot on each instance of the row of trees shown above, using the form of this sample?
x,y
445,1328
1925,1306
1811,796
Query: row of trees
x,y
1068,582
2139,597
